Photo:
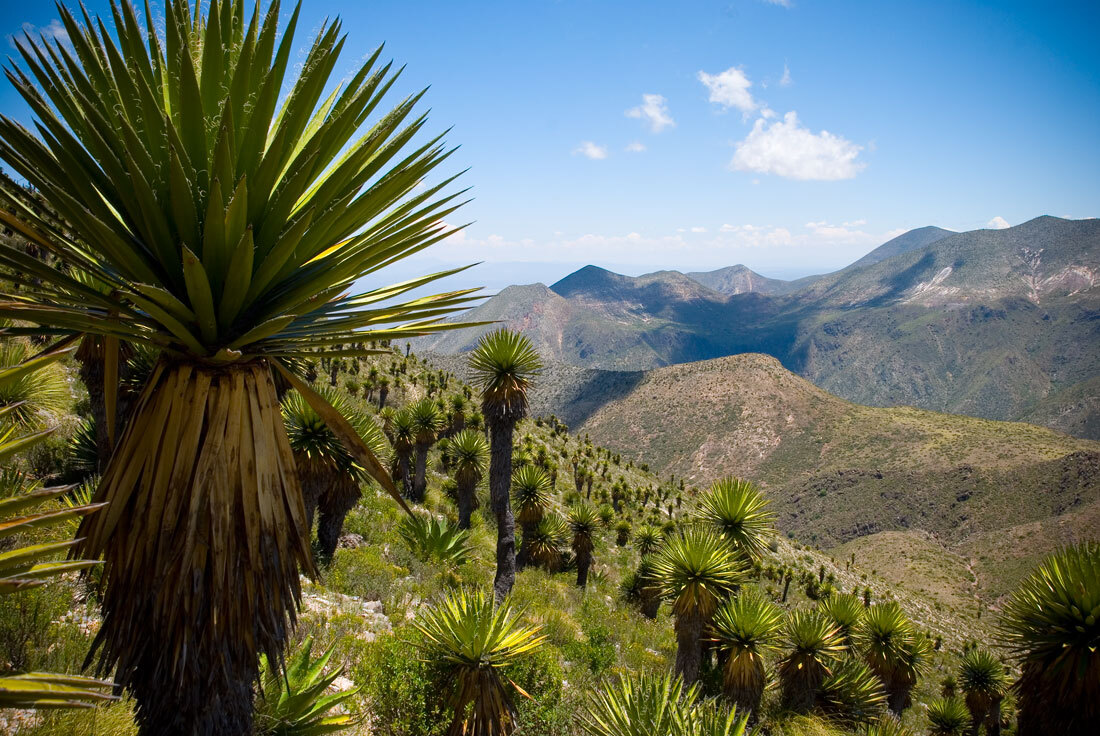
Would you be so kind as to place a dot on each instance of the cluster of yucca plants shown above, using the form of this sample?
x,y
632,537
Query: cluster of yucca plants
x,y
645,704
228,212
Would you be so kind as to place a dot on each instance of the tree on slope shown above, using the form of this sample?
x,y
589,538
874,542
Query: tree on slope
x,y
470,457
746,628
584,522
504,364
983,682
530,502
230,211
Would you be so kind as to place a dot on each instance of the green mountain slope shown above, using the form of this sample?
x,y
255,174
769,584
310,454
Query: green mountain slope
x,y
841,471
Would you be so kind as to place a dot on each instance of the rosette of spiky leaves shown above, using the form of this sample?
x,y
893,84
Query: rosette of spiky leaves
x,y
584,523
294,701
695,570
428,420
470,458
886,726
474,640
983,681
503,365
851,692
894,650
948,717
434,539
82,456
744,629
30,400
1052,626
647,539
641,588
230,211
530,494
846,611
312,440
714,718
548,538
812,646
640,704
738,510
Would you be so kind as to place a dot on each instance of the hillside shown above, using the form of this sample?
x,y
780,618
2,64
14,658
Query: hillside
x,y
1000,324
840,471
740,279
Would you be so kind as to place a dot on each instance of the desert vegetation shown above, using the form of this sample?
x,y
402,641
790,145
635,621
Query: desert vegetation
x,y
233,500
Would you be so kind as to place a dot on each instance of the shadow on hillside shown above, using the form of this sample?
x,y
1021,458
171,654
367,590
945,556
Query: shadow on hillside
x,y
575,394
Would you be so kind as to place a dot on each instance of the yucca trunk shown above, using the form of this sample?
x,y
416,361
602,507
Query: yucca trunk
x,y
689,649
500,483
203,540
404,477
744,681
89,356
315,477
420,479
334,507
584,562
527,533
466,490
651,603
383,392
898,691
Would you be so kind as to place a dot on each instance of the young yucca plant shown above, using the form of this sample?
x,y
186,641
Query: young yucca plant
x,y
886,726
846,611
584,523
474,639
30,400
470,459
503,365
640,704
696,570
948,717
812,644
428,422
738,510
434,539
403,437
1052,626
294,701
647,539
983,681
530,501
230,211
714,718
894,650
641,588
549,538
745,629
851,692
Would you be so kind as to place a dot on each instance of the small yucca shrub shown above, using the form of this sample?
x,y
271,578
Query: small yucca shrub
x,y
435,540
948,717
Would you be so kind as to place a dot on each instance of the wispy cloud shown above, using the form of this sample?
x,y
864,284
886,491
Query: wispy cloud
x,y
785,80
730,89
635,147
781,3
654,111
53,31
785,148
591,150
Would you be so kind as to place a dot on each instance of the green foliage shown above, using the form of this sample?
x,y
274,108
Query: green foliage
x,y
851,692
435,540
309,435
645,705
738,510
473,639
548,537
894,649
405,691
695,570
503,366
470,455
1052,626
745,629
294,701
647,539
812,645
846,611
530,494
948,717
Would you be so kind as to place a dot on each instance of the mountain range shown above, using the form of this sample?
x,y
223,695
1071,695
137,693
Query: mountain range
x,y
1000,324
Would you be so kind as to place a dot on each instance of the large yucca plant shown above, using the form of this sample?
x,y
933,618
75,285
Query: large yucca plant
x,y
639,705
470,458
530,502
894,651
745,629
696,570
504,366
428,421
403,437
230,211
846,611
1052,626
983,681
474,640
851,692
647,539
738,509
812,646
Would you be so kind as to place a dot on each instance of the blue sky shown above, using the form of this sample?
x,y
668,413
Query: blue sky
x,y
789,136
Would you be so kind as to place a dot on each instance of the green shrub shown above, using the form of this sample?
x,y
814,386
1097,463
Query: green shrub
x,y
362,572
404,692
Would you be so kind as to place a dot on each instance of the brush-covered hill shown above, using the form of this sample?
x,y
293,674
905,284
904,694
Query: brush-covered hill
x,y
839,471
1001,324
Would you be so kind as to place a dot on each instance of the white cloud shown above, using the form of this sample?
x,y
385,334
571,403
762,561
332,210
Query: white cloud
x,y
698,229
786,80
782,3
55,31
787,149
591,150
998,223
635,147
855,223
654,111
729,89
